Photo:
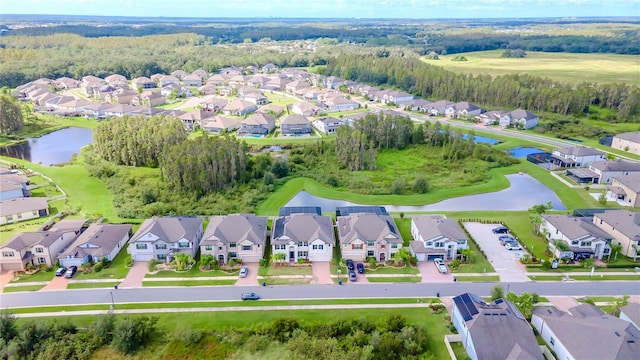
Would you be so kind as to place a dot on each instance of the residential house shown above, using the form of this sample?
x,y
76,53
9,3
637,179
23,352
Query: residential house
x,y
195,117
269,68
436,237
303,236
366,232
295,125
212,103
168,80
395,97
99,241
179,74
624,227
117,81
608,169
258,124
121,96
626,188
96,110
629,141
313,94
337,102
440,107
241,236
586,332
156,77
256,98
54,103
149,99
276,83
238,80
271,109
463,109
121,110
208,90
231,70
22,209
75,106
327,125
523,119
581,237
631,313
495,117
239,107
192,81
576,156
218,79
161,238
67,83
306,109
143,83
13,186
218,124
151,111
257,81
201,73
296,85
420,105
34,248
493,330
333,82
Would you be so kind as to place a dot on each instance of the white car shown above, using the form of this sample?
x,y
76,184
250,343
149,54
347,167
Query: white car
x,y
244,271
442,267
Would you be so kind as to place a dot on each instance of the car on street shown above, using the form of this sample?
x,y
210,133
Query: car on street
x,y
500,230
442,267
350,264
70,271
249,296
244,271
512,245
352,275
61,271
360,268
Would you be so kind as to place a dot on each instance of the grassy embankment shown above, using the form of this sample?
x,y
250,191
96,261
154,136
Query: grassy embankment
x,y
563,67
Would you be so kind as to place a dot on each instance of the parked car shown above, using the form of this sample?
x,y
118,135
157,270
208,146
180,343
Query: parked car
x,y
350,265
70,271
249,296
512,245
442,267
500,230
352,275
506,238
360,268
244,271
61,271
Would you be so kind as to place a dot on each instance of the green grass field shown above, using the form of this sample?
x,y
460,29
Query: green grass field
x,y
395,279
563,67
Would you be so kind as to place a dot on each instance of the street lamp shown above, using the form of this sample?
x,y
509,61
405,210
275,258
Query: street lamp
x,y
112,304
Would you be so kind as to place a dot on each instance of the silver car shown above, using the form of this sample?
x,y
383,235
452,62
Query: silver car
x,y
442,267
244,271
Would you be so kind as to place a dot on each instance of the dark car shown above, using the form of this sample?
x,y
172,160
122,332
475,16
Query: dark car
x,y
506,238
360,268
61,271
70,271
352,275
249,296
500,230
350,264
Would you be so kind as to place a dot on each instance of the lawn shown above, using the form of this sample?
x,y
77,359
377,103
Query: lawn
x,y
91,285
393,270
560,66
285,270
8,231
404,227
188,283
280,99
41,275
116,270
595,277
193,272
489,278
11,289
409,279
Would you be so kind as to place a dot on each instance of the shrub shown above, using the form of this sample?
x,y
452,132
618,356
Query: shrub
x,y
97,267
153,264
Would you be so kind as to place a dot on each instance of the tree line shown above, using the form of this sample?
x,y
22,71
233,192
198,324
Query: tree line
x,y
508,91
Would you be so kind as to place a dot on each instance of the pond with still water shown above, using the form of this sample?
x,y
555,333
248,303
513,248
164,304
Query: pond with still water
x,y
54,148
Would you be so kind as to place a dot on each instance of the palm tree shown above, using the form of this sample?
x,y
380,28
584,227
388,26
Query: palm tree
x,y
206,261
615,250
466,253
279,257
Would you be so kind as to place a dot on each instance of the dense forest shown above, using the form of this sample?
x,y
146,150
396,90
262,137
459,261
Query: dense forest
x,y
507,91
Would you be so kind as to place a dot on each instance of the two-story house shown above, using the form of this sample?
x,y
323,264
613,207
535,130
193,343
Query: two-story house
x,y
629,141
35,248
258,124
576,156
436,237
582,238
463,109
161,238
626,188
303,236
241,236
328,125
623,226
295,125
366,232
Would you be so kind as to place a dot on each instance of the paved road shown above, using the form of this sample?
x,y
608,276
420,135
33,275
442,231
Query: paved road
x,y
212,293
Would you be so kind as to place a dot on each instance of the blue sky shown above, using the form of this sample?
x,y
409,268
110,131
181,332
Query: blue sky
x,y
424,9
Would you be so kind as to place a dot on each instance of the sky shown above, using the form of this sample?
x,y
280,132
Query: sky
x,y
419,9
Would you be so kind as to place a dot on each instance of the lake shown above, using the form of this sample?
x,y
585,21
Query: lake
x,y
54,148
524,192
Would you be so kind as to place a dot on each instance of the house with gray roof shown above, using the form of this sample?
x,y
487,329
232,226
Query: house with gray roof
x,y
626,188
582,238
97,242
13,186
241,236
257,124
631,313
436,237
623,226
328,125
586,332
295,125
303,236
523,119
494,330
366,234
629,142
21,209
463,109
606,170
161,238
34,248
576,156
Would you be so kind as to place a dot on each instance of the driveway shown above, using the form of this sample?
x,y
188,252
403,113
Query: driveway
x,y
57,283
252,275
430,273
135,275
5,278
563,303
362,278
506,262
321,273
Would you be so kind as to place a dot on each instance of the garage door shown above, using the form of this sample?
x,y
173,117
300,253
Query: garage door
x,y
145,257
433,257
11,266
319,257
420,257
70,262
251,258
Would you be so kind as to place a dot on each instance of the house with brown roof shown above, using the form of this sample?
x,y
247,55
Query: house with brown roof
x,y
168,80
219,124
338,102
586,332
629,142
328,125
34,248
306,109
13,186
148,99
213,103
241,236
255,98
303,236
115,80
195,117
67,83
626,188
271,109
239,107
121,96
367,234
161,238
296,85
179,74
22,209
143,83
97,242
582,238
624,227
295,125
258,124
192,81
436,237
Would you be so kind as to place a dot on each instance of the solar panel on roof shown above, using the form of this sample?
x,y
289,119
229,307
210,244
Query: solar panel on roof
x,y
471,307
286,211
346,210
462,308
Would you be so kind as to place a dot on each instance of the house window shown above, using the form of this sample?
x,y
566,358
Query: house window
x,y
552,341
9,217
39,250
161,246
183,245
246,247
356,246
42,260
19,216
462,242
586,243
371,253
35,212
429,243
371,243
303,243
232,245
233,255
438,244
574,242
8,254
219,248
394,246
141,246
281,247
318,247
303,254
208,248
392,255
161,256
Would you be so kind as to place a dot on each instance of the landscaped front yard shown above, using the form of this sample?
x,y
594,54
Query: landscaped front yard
x,y
115,270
